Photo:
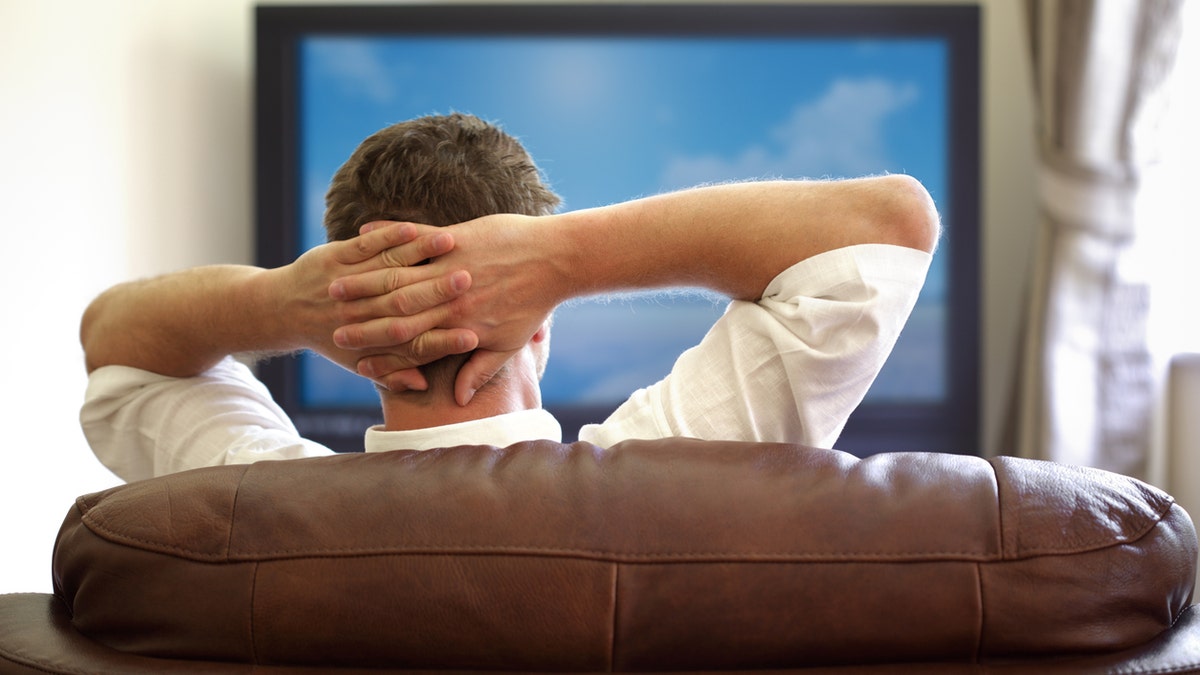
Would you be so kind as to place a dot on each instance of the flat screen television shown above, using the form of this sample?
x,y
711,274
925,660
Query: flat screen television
x,y
618,101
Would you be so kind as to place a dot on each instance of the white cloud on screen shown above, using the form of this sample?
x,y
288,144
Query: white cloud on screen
x,y
582,80
603,349
839,134
358,68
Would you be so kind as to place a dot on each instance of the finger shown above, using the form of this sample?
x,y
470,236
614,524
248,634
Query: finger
x,y
409,379
374,225
390,331
478,371
377,282
424,296
427,348
419,250
383,236
410,298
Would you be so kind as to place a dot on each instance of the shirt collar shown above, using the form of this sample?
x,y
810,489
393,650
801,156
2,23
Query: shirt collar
x,y
500,431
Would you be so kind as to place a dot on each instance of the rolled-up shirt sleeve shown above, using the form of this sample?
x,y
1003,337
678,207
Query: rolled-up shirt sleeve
x,y
790,367
141,424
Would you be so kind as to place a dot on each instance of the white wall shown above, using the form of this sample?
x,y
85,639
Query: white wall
x,y
125,151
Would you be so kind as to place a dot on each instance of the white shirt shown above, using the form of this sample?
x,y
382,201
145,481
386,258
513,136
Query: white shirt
x,y
788,368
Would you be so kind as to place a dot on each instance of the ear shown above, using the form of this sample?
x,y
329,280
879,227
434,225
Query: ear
x,y
540,346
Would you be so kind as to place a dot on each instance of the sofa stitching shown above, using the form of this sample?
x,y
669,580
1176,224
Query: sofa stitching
x,y
253,597
237,491
1159,507
101,528
252,556
83,501
1020,552
98,525
612,642
982,614
1183,611
999,510
85,509
28,662
1124,538
618,556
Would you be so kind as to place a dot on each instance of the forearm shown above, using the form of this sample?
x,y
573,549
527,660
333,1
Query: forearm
x,y
183,323
734,238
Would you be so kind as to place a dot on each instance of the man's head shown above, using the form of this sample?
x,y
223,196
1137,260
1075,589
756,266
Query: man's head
x,y
436,170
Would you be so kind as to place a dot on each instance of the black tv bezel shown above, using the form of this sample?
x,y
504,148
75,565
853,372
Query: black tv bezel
x,y
949,426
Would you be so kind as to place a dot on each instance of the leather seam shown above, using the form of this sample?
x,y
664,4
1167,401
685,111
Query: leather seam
x,y
253,597
616,556
28,662
999,510
698,556
1124,539
982,614
237,491
616,594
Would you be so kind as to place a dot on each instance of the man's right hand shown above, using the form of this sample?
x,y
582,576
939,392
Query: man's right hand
x,y
395,250
502,267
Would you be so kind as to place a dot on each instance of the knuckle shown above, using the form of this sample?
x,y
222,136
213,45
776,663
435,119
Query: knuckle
x,y
347,312
392,258
431,246
443,291
352,336
397,333
458,309
401,304
419,346
393,280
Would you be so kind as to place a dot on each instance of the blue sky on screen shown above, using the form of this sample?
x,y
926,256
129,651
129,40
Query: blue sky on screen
x,y
613,119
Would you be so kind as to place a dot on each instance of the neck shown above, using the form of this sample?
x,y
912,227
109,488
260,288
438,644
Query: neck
x,y
421,410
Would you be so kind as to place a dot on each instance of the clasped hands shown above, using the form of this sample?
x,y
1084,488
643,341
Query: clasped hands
x,y
401,295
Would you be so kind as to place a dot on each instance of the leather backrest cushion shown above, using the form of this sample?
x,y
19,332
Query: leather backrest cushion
x,y
652,555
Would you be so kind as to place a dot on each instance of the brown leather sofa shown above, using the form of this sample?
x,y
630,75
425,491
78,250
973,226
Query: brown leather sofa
x,y
674,555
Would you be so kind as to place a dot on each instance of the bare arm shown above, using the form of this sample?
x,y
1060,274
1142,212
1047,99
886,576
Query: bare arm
x,y
735,238
732,238
181,324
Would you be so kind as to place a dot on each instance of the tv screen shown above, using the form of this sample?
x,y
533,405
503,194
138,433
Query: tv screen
x,y
616,102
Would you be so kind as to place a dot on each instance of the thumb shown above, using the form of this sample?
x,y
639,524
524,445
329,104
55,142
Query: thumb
x,y
478,371
409,379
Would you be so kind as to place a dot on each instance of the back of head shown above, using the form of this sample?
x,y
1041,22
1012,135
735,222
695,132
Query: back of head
x,y
436,170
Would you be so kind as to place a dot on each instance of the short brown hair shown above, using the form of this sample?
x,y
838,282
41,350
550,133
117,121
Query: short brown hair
x,y
436,170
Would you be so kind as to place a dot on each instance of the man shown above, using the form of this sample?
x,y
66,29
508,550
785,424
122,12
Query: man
x,y
823,276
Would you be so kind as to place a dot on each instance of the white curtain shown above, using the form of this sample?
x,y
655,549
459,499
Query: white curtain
x,y
1086,388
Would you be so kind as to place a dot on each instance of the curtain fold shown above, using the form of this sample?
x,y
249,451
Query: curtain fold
x,y
1086,386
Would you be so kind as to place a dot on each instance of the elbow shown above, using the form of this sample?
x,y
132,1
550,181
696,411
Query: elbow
x,y
89,330
911,218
